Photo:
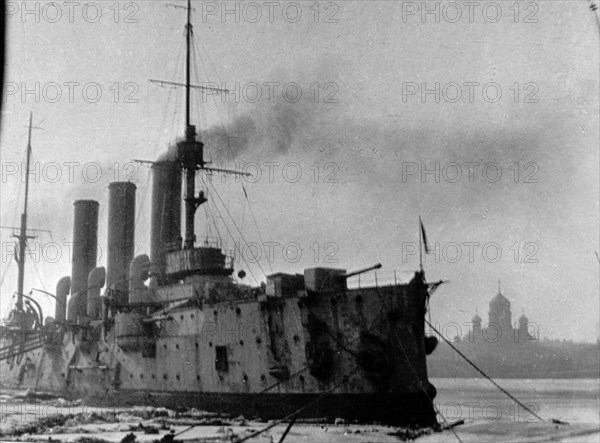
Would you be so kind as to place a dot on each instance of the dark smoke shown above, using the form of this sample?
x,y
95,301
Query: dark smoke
x,y
267,127
228,142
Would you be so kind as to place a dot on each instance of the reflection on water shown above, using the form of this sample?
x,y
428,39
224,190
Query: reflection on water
x,y
476,400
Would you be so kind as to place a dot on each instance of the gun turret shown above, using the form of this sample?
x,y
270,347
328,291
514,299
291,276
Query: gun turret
x,y
330,279
362,271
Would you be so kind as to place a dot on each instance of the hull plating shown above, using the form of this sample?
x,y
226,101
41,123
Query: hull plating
x,y
357,354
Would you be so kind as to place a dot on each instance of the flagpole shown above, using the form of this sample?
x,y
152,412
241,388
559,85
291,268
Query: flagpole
x,y
420,245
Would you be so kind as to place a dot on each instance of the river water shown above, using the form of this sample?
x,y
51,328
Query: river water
x,y
491,416
571,400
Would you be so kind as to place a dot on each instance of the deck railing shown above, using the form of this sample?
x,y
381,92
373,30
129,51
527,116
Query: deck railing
x,y
380,278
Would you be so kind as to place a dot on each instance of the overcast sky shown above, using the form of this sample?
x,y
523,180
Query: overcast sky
x,y
499,102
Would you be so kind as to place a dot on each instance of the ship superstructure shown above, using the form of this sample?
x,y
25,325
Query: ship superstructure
x,y
174,328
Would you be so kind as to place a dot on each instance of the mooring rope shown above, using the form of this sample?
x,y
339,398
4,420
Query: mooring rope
x,y
436,409
484,374
294,414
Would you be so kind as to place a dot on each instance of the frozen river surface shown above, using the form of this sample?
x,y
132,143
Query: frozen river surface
x,y
488,415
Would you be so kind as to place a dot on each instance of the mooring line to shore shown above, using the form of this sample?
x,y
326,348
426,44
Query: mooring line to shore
x,y
435,408
484,374
295,414
291,416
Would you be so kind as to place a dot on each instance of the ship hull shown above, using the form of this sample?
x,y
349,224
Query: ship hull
x,y
411,408
357,354
400,409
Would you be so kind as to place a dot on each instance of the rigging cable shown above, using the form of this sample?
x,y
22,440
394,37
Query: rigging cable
x,y
371,326
220,80
14,221
211,218
45,218
38,274
231,154
235,246
484,374
255,223
200,112
233,238
197,51
197,55
425,390
236,226
208,220
169,98
144,192
242,255
5,272
294,414
15,214
173,127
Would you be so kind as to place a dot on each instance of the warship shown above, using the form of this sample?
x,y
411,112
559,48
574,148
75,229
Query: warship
x,y
177,327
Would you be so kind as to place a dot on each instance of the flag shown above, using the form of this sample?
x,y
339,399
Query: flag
x,y
594,8
424,236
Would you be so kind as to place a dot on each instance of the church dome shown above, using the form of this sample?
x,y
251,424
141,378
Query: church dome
x,y
476,319
500,311
523,320
500,301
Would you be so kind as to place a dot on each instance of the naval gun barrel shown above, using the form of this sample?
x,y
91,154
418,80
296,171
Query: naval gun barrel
x,y
362,271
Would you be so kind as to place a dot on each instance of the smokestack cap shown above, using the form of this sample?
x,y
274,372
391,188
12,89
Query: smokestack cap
x,y
85,202
121,184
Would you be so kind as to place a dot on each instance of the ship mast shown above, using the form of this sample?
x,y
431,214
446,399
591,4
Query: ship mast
x,y
191,151
188,38
192,155
22,237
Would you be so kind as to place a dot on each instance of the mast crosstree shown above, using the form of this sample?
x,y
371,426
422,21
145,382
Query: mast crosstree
x,y
190,151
